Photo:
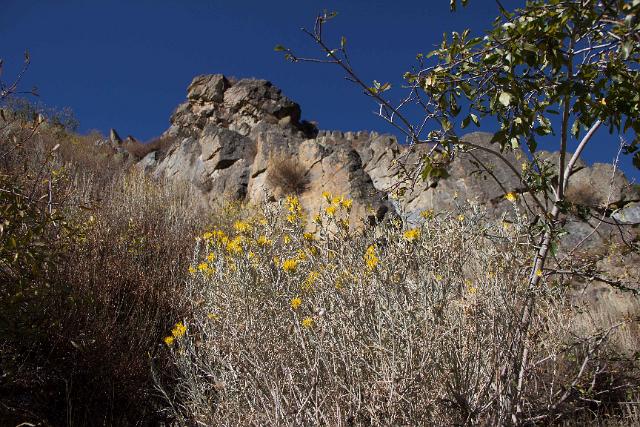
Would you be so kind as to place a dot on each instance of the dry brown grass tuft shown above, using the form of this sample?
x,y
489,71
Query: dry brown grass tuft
x,y
140,149
287,175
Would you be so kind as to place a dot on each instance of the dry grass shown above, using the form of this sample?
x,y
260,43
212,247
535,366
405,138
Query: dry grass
x,y
287,175
391,326
83,353
140,149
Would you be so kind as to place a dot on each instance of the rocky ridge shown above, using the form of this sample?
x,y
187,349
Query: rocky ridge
x,y
230,134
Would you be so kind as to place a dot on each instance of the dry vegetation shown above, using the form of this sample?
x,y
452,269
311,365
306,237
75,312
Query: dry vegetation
x,y
287,175
140,149
91,271
392,326
108,317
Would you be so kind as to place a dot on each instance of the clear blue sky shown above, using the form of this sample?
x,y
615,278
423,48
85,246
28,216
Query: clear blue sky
x,y
126,63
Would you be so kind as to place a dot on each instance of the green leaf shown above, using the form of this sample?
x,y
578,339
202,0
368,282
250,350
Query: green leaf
x,y
343,42
279,48
575,128
627,47
505,98
475,119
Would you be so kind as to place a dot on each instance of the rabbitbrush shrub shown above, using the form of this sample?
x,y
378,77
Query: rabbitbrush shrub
x,y
298,323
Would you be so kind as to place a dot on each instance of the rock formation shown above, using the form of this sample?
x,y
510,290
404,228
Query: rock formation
x,y
231,135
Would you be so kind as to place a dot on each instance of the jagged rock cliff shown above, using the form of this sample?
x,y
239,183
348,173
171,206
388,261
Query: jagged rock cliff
x,y
231,135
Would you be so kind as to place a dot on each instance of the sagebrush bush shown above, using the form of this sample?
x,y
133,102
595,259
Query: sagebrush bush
x,y
299,323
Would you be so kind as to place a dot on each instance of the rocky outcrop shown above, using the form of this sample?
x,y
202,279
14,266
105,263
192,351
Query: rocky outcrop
x,y
230,135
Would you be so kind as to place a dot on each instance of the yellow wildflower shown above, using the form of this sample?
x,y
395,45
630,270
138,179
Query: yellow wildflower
x,y
511,196
331,210
317,218
312,277
207,235
524,166
251,254
220,236
169,340
178,330
370,258
242,226
309,236
290,265
203,267
302,255
327,196
427,214
235,246
286,239
539,273
307,322
295,302
347,203
336,200
213,316
460,218
293,204
192,269
211,257
263,241
411,235
470,288
294,208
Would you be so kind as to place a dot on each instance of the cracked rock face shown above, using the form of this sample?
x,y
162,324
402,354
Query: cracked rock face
x,y
229,133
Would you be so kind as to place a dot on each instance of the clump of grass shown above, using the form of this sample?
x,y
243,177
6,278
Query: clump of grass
x,y
140,149
287,175
297,323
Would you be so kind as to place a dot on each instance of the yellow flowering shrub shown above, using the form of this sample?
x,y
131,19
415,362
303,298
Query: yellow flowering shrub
x,y
370,258
411,235
304,302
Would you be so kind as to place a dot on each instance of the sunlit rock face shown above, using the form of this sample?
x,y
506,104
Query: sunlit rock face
x,y
232,138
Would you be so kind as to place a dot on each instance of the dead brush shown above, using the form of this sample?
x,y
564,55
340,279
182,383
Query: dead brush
x,y
140,149
287,174
331,327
